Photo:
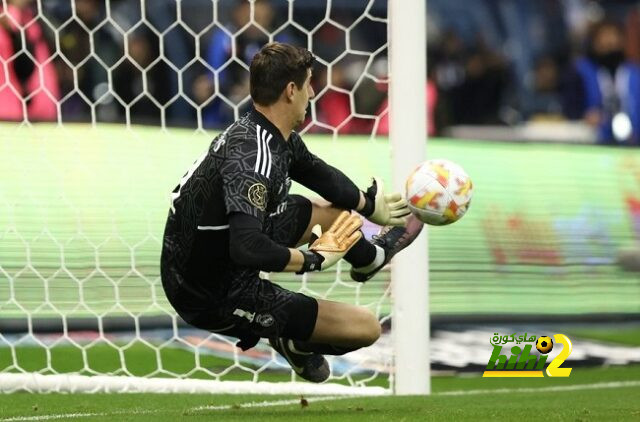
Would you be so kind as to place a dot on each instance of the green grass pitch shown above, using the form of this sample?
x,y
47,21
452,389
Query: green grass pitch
x,y
589,394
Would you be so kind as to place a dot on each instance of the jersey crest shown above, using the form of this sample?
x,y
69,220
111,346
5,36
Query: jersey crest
x,y
257,195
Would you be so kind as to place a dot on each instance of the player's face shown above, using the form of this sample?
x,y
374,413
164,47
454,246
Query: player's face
x,y
302,99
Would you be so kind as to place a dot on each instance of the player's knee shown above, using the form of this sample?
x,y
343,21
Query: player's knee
x,y
325,212
375,330
370,329
320,203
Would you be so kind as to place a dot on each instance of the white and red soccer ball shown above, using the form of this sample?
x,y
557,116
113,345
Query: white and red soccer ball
x,y
439,192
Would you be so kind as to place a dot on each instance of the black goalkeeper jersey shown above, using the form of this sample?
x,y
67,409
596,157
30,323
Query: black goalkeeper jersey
x,y
248,169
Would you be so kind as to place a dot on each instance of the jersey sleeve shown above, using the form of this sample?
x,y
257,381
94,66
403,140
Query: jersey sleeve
x,y
245,189
322,178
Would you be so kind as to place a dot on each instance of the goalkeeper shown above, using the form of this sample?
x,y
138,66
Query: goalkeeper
x,y
232,216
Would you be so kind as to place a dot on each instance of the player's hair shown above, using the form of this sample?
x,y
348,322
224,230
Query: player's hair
x,y
275,65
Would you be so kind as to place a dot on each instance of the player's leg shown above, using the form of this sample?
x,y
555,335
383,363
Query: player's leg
x,y
320,212
324,213
292,227
344,327
267,310
391,240
366,258
339,328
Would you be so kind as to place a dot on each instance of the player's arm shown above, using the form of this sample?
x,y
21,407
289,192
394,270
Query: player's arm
x,y
246,196
251,248
322,178
334,186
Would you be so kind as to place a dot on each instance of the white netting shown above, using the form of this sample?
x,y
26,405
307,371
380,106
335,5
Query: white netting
x,y
82,208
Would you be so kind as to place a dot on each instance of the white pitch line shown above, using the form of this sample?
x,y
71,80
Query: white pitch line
x,y
576,387
76,415
193,409
52,417
268,403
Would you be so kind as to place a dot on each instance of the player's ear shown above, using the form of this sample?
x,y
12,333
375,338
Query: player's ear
x,y
289,90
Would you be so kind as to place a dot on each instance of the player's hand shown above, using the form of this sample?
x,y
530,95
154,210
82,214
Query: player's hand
x,y
333,244
388,210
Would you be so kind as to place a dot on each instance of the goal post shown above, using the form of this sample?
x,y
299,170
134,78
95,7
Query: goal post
x,y
410,272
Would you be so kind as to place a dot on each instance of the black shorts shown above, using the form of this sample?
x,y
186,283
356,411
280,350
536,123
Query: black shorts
x,y
255,308
262,310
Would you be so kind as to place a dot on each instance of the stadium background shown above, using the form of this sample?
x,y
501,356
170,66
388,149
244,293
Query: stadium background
x,y
550,241
544,240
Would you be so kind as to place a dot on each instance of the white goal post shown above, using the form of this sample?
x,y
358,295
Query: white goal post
x,y
83,201
410,273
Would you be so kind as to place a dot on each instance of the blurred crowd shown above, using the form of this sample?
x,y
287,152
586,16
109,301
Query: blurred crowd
x,y
506,62
490,62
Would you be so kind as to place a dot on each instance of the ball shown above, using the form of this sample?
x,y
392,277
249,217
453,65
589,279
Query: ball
x,y
544,344
439,192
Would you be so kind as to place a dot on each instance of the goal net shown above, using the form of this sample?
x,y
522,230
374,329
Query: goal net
x,y
106,103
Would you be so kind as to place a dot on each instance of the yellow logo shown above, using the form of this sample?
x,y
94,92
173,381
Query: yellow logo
x,y
257,195
544,344
522,363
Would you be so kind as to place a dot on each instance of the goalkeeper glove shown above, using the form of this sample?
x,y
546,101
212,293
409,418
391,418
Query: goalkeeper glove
x,y
325,249
385,210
